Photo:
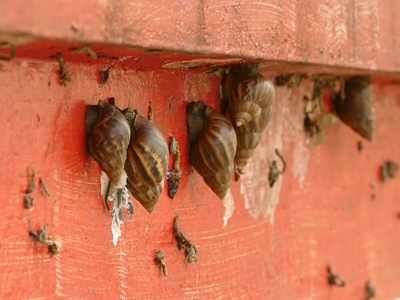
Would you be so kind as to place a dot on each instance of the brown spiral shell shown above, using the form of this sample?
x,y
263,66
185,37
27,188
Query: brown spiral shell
x,y
355,106
147,161
247,100
213,146
108,134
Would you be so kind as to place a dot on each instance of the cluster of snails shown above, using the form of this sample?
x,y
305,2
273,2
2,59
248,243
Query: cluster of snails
x,y
133,153
130,149
221,144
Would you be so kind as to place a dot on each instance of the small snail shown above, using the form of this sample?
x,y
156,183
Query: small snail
x,y
354,106
213,146
108,139
147,160
247,100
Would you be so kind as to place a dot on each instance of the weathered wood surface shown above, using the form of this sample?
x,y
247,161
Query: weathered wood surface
x,y
272,243
353,33
277,242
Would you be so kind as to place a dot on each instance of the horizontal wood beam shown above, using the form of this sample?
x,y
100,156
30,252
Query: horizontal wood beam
x,y
355,34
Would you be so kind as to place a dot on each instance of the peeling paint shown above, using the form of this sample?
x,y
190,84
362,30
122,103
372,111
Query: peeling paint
x,y
104,181
285,128
301,158
118,206
117,215
229,205
260,199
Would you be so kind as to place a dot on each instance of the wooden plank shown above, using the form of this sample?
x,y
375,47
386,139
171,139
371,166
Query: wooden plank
x,y
357,33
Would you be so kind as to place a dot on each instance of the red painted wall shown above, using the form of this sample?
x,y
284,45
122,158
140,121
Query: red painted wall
x,y
275,246
277,242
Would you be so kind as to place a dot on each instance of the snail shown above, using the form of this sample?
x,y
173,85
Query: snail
x,y
354,106
147,160
247,101
213,146
108,139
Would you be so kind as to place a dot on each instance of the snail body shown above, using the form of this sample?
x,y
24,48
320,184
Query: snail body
x,y
147,160
213,146
247,99
354,106
108,139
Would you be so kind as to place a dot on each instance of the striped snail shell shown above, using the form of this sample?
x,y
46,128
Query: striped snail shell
x,y
247,100
354,106
213,146
108,135
147,161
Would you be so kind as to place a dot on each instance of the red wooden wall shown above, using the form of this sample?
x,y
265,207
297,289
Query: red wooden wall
x,y
271,243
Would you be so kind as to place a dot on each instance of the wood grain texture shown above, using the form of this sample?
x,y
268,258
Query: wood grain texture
x,y
325,217
356,33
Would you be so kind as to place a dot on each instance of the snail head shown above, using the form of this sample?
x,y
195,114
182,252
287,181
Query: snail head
x,y
95,112
130,115
197,114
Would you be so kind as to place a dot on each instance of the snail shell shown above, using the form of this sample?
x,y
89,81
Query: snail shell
x,y
108,139
247,100
213,146
147,161
355,107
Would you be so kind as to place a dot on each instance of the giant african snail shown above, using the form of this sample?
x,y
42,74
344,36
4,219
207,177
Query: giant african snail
x,y
213,146
130,149
354,106
147,160
247,101
108,136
